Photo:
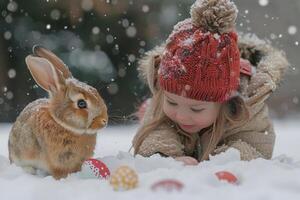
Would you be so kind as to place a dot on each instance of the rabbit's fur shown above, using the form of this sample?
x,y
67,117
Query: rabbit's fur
x,y
58,134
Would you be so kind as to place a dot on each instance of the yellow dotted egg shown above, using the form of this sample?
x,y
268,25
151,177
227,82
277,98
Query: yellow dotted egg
x,y
124,178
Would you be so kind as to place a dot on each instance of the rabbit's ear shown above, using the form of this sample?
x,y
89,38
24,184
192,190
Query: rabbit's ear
x,y
43,72
56,61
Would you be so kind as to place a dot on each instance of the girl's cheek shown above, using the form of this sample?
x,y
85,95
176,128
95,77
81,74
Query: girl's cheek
x,y
169,111
204,120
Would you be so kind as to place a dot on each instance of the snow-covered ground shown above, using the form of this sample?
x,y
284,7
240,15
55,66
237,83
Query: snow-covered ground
x,y
278,178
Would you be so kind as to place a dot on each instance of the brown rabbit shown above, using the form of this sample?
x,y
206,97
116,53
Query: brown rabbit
x,y
58,134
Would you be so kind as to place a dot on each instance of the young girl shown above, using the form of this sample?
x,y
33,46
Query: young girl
x,y
209,89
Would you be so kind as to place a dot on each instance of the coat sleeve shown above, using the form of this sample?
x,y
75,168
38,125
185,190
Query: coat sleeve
x,y
247,152
256,134
162,140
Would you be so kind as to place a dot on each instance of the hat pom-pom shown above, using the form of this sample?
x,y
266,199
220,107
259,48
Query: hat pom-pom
x,y
217,16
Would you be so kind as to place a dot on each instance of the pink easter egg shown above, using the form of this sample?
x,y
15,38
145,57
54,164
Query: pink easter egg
x,y
168,185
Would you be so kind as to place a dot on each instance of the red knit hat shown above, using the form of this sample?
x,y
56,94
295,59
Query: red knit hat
x,y
201,59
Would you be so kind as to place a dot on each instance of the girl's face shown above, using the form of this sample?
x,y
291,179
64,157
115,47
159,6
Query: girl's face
x,y
191,115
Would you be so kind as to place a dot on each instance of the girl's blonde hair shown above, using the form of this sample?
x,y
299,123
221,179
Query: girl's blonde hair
x,y
234,111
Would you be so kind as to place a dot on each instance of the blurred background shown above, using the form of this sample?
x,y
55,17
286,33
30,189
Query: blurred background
x,y
102,40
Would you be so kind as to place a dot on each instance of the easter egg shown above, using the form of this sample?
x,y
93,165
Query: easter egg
x,y
93,168
168,185
124,178
227,176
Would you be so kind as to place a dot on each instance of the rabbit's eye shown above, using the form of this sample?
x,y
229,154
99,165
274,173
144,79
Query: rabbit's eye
x,y
81,104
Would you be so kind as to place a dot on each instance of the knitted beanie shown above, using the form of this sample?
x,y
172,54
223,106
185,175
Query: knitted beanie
x,y
201,59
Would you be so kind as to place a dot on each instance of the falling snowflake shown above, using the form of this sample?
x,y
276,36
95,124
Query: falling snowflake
x,y
125,23
141,51
95,30
7,35
145,8
8,19
266,132
4,89
273,36
12,6
263,2
87,5
292,30
131,31
295,100
48,26
216,36
55,14
188,42
142,43
12,73
9,95
131,58
122,72
109,39
113,88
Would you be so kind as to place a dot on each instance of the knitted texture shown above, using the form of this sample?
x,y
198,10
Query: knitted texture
x,y
200,64
216,16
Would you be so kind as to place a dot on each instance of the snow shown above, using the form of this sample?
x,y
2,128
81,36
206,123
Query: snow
x,y
295,100
292,30
263,2
113,88
87,5
7,35
145,8
95,30
131,31
258,179
11,73
55,14
12,6
48,26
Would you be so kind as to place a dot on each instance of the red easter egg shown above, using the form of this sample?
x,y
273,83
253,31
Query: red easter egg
x,y
98,168
227,176
168,185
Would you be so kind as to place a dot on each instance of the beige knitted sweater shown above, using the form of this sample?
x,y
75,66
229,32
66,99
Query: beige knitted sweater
x,y
253,139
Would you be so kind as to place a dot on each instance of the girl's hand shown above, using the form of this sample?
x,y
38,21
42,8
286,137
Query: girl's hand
x,y
187,160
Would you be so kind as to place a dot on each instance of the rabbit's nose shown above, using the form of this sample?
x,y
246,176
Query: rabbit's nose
x,y
99,122
104,122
